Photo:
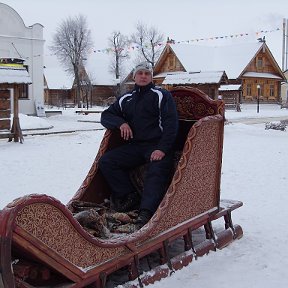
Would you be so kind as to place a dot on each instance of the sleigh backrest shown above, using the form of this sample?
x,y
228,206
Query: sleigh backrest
x,y
193,104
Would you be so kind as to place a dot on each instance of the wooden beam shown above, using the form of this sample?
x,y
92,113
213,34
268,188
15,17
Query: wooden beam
x,y
16,130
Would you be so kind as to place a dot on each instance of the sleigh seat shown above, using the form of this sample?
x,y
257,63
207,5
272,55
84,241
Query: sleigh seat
x,y
43,245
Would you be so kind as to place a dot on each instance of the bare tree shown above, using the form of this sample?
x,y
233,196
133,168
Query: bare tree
x,y
71,44
86,92
149,40
118,43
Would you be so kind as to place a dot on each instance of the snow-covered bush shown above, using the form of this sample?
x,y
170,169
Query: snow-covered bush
x,y
276,126
284,122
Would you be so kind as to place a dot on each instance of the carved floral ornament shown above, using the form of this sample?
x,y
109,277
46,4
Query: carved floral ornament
x,y
49,225
189,109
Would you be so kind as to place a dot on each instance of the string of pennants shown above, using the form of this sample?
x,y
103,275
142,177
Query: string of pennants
x,y
134,47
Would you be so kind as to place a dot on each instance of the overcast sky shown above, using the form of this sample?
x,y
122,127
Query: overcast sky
x,y
181,20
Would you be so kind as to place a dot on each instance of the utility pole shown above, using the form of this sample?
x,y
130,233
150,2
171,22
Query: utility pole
x,y
283,44
286,55
258,97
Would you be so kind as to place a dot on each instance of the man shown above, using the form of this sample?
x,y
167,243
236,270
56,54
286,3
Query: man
x,y
148,121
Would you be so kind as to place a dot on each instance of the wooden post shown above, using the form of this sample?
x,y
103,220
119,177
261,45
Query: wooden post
x,y
15,113
16,129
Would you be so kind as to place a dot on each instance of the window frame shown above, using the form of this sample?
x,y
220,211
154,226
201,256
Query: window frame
x,y
24,88
260,62
249,89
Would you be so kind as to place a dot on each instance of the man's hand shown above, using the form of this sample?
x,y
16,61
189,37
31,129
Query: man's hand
x,y
126,131
157,155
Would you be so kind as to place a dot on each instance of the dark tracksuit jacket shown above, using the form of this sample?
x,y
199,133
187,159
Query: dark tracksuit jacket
x,y
151,114
149,111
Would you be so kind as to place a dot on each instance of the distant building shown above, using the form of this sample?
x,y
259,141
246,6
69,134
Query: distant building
x,y
98,84
57,83
26,43
104,87
231,94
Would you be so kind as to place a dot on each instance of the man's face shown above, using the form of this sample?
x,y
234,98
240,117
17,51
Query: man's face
x,y
143,77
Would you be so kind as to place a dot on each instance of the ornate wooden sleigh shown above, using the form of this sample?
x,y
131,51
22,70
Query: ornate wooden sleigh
x,y
42,245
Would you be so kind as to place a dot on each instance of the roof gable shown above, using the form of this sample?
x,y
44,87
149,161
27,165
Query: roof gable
x,y
270,64
168,61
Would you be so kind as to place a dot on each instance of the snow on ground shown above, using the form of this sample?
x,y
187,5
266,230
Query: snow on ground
x,y
250,111
254,171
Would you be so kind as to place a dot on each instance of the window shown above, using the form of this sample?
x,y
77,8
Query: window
x,y
248,90
271,91
23,91
171,63
259,63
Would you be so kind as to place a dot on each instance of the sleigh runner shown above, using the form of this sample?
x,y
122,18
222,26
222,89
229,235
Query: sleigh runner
x,y
43,245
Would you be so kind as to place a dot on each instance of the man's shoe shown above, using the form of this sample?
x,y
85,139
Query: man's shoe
x,y
143,217
127,203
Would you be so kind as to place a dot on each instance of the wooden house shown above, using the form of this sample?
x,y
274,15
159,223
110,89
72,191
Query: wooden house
x,y
250,65
262,77
103,82
98,87
57,84
173,68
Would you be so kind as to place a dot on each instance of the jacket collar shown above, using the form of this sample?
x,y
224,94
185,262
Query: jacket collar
x,y
142,89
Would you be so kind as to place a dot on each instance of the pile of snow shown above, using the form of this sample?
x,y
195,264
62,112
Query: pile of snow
x,y
32,122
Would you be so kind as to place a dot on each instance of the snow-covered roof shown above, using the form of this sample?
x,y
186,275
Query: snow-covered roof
x,y
97,67
14,75
201,77
164,74
232,59
261,75
229,87
56,76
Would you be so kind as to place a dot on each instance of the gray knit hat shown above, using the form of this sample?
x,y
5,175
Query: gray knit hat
x,y
143,66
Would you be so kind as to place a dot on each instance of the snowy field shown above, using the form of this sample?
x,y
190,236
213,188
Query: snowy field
x,y
254,171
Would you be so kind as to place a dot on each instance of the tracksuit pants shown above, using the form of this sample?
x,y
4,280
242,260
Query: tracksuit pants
x,y
116,163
